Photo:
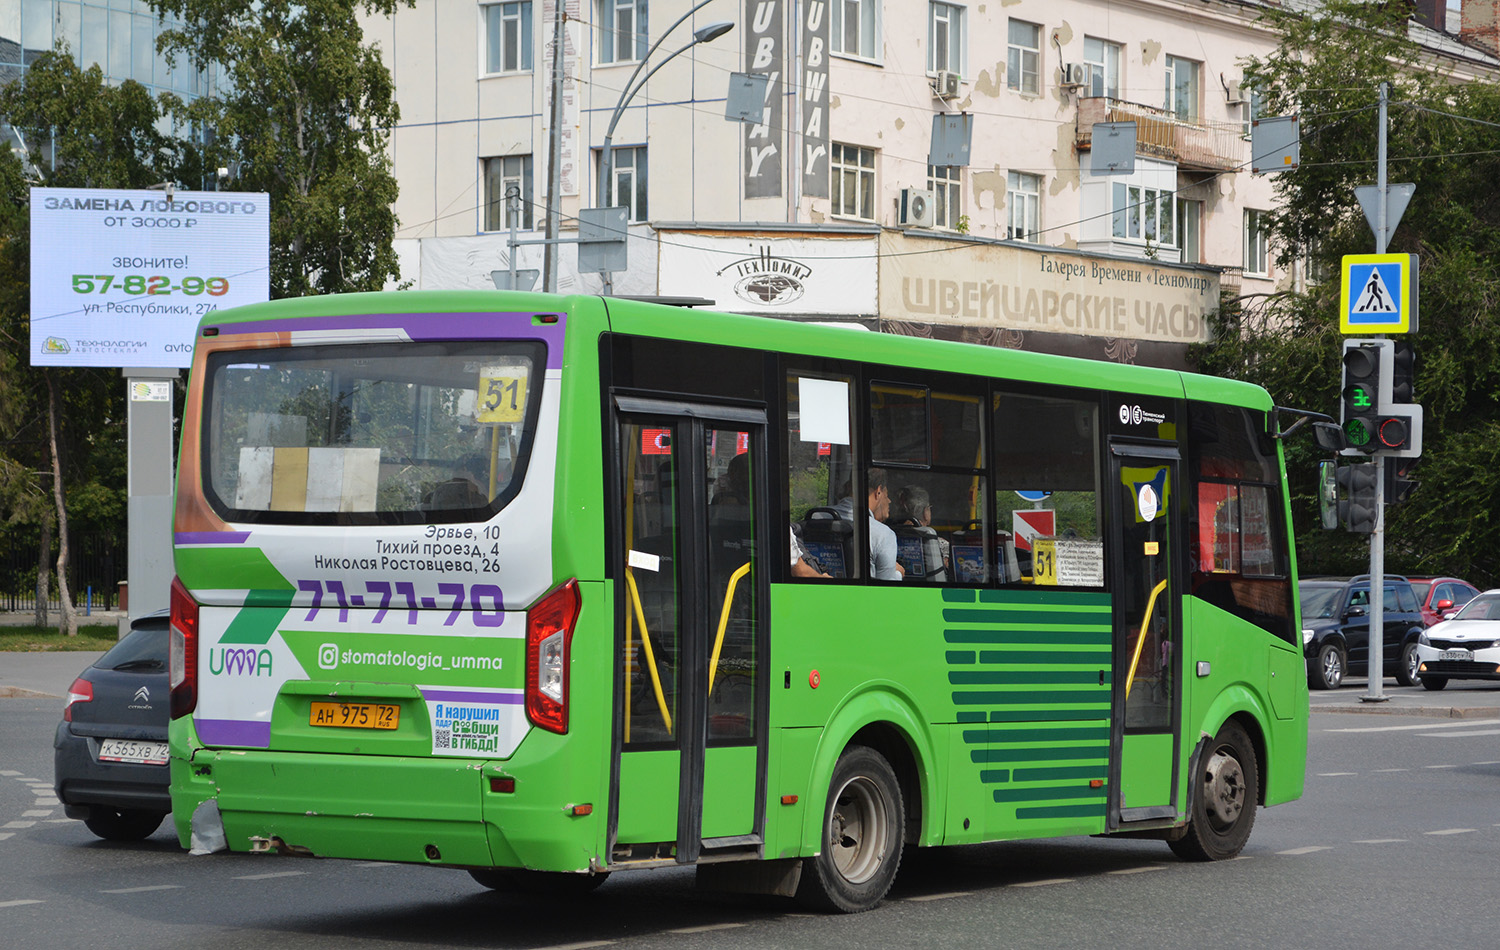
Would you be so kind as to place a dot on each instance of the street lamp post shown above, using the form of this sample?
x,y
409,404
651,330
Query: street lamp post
x,y
703,34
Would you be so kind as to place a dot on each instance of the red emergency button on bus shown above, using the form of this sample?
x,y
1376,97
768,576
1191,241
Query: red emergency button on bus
x,y
813,679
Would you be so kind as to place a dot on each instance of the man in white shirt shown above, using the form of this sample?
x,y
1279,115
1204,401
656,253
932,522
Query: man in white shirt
x,y
883,563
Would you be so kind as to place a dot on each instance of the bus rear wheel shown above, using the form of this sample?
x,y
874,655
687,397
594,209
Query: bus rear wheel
x,y
1224,801
863,829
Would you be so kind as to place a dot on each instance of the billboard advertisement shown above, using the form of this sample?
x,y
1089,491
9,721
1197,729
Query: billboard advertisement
x,y
121,277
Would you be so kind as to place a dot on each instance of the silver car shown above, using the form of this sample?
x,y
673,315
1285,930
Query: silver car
x,y
1464,647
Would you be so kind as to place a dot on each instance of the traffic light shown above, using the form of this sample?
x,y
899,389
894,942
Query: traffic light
x,y
1364,361
1356,491
1398,481
1403,370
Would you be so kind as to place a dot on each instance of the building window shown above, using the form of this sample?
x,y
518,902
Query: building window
x,y
1144,214
629,186
1252,107
945,38
1257,261
853,27
499,174
1024,64
947,184
1182,88
1103,61
622,32
507,37
853,191
1024,206
1190,230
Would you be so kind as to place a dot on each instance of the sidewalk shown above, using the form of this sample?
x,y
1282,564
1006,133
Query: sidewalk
x,y
1463,699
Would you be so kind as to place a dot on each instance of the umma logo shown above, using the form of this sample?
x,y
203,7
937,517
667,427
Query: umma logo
x,y
236,661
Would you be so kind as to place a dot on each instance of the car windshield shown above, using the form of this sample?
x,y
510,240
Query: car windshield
x,y
1319,602
143,650
1483,607
1419,589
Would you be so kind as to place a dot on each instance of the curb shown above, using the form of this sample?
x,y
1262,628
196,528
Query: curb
x,y
1431,712
21,692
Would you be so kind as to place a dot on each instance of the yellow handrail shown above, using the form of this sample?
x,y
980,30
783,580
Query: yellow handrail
x,y
1140,641
713,662
640,616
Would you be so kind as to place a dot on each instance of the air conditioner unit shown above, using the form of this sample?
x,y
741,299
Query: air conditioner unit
x,y
918,208
1076,74
1234,93
945,84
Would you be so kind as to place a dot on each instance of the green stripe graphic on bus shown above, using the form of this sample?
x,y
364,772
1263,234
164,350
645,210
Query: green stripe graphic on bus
x,y
1032,673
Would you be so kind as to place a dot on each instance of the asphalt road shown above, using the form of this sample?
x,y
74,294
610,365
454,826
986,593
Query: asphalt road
x,y
1394,844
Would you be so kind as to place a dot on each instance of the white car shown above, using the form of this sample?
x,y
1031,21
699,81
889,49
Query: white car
x,y
1465,647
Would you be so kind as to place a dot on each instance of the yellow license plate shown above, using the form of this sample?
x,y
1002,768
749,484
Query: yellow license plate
x,y
355,715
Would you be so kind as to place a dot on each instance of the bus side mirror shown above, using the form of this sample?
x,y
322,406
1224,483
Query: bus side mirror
x,y
1328,494
1329,436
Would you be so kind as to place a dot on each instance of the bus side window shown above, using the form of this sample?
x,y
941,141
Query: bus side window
x,y
820,463
1046,487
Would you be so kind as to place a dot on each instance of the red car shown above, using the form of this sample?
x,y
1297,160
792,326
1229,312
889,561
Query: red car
x,y
1440,596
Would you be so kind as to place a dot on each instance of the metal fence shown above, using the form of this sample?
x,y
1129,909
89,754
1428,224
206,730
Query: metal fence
x,y
96,566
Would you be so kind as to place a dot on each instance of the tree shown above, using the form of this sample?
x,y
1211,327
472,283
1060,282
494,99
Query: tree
x,y
306,111
81,132
1444,136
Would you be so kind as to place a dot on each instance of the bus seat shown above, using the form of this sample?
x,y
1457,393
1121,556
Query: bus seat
x,y
920,553
829,537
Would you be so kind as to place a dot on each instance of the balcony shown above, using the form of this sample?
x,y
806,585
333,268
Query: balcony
x,y
1210,147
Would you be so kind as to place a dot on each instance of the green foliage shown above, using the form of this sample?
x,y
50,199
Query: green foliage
x,y
305,114
1328,69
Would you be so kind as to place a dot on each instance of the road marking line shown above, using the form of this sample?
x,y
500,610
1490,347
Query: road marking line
x,y
1334,774
33,781
48,800
706,928
263,877
1487,763
18,903
37,813
1307,850
1393,770
18,824
1050,880
142,890
1450,831
1460,735
8,773
378,864
6,834
1136,870
1439,766
1468,724
1383,841
940,897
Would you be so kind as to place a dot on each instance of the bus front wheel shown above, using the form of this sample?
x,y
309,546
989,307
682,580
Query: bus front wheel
x,y
1224,801
863,828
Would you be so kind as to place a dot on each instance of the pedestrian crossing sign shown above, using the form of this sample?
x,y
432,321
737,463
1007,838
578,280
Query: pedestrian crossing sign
x,y
1379,294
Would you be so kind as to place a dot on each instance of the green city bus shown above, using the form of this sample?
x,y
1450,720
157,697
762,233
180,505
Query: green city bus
x,y
547,587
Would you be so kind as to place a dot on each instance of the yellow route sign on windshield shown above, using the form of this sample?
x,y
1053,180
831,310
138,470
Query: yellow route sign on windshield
x,y
502,393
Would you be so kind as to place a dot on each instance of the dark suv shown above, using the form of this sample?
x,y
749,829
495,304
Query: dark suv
x,y
1336,629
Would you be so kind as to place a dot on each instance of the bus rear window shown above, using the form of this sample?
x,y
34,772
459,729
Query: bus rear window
x,y
407,433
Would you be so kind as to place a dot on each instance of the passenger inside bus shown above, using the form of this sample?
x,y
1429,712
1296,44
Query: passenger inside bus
x,y
883,563
923,556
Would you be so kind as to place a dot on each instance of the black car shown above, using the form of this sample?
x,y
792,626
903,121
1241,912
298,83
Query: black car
x,y
1336,629
110,751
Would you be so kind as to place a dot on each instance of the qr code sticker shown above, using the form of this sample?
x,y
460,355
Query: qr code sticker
x,y
442,738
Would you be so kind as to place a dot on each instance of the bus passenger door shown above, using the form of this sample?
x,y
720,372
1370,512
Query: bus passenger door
x,y
1147,653
690,636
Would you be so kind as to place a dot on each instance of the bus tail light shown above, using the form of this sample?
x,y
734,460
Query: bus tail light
x,y
549,636
182,651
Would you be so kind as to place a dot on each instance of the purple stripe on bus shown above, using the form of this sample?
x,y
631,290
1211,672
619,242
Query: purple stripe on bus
x,y
427,326
256,735
461,696
210,537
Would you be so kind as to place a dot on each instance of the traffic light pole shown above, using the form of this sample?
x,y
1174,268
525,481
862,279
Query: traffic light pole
x,y
1376,637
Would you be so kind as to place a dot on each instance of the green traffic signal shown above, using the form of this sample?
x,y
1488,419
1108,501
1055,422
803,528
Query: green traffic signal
x,y
1357,432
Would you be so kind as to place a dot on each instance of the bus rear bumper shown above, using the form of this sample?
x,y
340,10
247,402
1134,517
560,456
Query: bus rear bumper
x,y
421,811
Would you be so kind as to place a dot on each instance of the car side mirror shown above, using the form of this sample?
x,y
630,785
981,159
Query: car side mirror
x,y
1355,612
1443,605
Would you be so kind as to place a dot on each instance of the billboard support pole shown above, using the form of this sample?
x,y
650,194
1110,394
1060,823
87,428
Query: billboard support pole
x,y
148,402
